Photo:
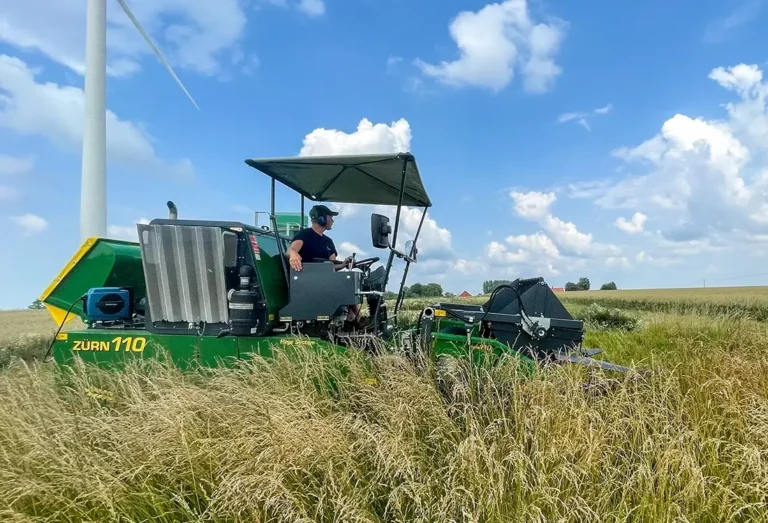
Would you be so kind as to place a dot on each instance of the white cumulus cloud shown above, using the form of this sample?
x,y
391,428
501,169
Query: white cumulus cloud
x,y
567,235
435,242
369,138
125,232
56,112
535,206
380,138
527,253
538,245
559,247
704,179
346,249
197,35
497,42
532,205
634,225
30,223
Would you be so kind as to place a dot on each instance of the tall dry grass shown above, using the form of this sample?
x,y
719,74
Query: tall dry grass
x,y
265,443
27,334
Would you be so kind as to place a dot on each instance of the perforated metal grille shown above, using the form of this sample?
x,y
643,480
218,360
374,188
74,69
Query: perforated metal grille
x,y
184,271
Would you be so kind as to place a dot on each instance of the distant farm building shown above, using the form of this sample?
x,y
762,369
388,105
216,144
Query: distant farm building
x,y
465,294
558,289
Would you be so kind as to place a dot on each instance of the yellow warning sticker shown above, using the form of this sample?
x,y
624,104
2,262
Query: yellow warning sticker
x,y
440,313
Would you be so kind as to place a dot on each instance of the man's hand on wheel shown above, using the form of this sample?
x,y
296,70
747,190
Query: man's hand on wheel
x,y
295,261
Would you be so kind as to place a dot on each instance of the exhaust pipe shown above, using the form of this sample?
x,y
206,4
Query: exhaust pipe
x,y
173,213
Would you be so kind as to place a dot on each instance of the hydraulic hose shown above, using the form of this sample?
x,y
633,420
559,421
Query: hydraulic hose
x,y
495,292
63,321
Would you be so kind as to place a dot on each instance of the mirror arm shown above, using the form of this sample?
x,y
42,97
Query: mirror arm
x,y
402,255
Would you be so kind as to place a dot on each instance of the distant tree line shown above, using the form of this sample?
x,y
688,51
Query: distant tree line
x,y
420,290
584,285
581,285
489,285
435,290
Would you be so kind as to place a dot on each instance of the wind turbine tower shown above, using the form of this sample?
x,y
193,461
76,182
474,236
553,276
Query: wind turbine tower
x,y
93,191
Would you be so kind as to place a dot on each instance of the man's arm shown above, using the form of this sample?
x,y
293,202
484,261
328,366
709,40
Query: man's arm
x,y
294,258
336,266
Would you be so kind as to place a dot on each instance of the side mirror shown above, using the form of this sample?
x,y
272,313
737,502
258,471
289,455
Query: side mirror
x,y
380,231
411,250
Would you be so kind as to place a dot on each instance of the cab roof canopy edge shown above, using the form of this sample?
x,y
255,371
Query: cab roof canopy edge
x,y
374,179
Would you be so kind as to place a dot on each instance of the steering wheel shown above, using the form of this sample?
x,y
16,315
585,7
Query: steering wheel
x,y
365,263
335,263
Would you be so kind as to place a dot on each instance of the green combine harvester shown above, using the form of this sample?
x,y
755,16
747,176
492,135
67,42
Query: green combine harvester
x,y
209,293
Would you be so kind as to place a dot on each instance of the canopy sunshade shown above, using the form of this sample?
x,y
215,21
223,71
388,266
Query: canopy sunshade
x,y
365,179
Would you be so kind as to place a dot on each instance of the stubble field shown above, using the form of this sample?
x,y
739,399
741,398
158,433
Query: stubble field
x,y
262,443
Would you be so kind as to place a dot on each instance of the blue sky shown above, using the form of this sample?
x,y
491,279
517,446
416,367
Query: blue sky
x,y
555,138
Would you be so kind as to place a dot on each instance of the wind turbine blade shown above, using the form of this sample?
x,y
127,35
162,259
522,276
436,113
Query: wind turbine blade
x,y
155,49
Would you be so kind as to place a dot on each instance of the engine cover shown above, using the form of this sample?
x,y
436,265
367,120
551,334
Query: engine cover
x,y
104,304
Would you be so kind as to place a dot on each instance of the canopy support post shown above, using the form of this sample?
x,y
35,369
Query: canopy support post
x,y
302,212
276,231
394,237
272,198
401,293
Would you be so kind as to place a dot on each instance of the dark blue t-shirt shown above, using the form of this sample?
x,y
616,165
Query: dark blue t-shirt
x,y
315,245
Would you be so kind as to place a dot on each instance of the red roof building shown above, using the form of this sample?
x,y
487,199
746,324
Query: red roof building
x,y
465,294
558,289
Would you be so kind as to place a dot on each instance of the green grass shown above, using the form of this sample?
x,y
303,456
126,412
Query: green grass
x,y
262,443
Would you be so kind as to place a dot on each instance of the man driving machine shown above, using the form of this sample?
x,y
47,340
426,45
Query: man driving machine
x,y
312,243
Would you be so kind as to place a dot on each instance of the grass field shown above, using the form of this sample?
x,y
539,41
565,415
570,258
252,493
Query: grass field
x,y
262,443
745,302
27,334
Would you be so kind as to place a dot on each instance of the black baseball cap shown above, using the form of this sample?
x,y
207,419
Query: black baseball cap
x,y
321,210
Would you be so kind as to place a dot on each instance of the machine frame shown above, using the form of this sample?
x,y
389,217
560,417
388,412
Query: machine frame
x,y
202,291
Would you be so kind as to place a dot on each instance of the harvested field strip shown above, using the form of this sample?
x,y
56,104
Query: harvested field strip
x,y
751,304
